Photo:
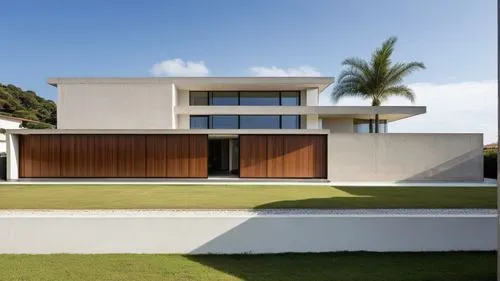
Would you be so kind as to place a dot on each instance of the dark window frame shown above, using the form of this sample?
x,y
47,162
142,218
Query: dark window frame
x,y
199,116
238,117
210,97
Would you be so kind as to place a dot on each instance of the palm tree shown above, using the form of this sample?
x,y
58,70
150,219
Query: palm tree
x,y
377,80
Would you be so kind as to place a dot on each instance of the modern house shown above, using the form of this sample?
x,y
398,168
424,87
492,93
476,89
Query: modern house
x,y
247,127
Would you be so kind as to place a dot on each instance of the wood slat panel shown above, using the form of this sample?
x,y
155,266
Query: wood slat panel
x,y
291,157
105,156
253,156
24,157
36,156
305,156
275,156
50,156
198,156
178,156
320,157
156,156
77,155
131,156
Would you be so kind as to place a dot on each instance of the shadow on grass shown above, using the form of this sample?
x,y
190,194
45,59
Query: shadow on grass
x,y
396,197
356,266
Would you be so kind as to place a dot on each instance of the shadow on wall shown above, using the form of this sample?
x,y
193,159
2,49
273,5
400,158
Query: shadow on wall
x,y
330,234
466,167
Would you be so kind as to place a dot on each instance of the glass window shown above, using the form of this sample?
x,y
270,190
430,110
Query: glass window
x,y
259,121
224,98
198,98
290,98
198,122
363,126
224,122
290,122
259,98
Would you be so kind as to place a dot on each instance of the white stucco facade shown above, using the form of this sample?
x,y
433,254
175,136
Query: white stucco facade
x,y
163,103
115,106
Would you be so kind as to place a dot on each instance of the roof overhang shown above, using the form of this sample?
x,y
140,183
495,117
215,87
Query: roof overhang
x,y
389,113
212,83
223,132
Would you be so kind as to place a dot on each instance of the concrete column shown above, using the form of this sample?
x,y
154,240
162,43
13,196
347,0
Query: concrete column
x,y
174,104
12,157
182,100
312,121
312,96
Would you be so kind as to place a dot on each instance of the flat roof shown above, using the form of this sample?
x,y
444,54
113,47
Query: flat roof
x,y
168,131
208,83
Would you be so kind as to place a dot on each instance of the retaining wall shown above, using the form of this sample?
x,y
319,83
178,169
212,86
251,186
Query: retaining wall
x,y
241,232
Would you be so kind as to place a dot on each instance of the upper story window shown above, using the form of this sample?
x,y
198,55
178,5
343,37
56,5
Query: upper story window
x,y
244,122
245,98
260,98
198,98
290,98
224,98
363,126
259,122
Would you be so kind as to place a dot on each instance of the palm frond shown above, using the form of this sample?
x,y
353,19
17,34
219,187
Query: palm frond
x,y
377,79
401,91
400,70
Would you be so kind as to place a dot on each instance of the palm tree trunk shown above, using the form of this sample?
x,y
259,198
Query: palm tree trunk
x,y
376,123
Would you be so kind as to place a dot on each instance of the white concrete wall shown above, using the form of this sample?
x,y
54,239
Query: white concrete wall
x,y
338,125
174,104
115,106
228,234
312,121
7,124
12,157
182,100
312,97
405,157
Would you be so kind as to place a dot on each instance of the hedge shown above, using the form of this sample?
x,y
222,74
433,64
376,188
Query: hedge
x,y
490,164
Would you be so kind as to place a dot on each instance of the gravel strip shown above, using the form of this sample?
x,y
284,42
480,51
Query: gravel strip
x,y
249,213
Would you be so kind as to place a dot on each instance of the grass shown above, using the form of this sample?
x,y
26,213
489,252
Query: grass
x,y
477,266
240,197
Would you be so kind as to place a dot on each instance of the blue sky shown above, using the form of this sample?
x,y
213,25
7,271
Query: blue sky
x,y
456,39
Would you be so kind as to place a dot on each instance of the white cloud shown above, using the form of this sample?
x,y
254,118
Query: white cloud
x,y
178,67
301,71
462,107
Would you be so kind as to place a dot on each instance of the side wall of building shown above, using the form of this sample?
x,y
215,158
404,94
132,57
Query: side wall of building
x,y
405,157
115,106
338,125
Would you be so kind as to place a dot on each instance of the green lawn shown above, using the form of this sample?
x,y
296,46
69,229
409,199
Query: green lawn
x,y
466,266
239,197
